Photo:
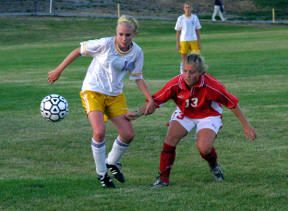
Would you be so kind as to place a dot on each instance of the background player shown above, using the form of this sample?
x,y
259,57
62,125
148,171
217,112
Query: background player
x,y
198,97
218,9
102,96
187,33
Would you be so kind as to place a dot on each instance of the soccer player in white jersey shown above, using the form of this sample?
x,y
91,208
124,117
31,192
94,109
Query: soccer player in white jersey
x,y
198,97
102,95
187,34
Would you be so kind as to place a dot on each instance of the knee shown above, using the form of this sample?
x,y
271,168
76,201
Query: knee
x,y
98,136
127,137
204,148
130,136
172,141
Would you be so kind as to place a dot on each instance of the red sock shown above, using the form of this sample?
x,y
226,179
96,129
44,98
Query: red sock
x,y
167,158
211,158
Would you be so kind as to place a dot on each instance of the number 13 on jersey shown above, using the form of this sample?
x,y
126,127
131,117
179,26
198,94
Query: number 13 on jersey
x,y
193,102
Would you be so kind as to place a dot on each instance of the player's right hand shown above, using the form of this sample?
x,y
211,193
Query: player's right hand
x,y
53,76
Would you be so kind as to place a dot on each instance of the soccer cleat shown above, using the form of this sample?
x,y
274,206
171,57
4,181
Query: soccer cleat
x,y
106,181
159,184
217,173
116,171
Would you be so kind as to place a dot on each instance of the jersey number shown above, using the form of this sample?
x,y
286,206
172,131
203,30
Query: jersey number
x,y
128,66
193,103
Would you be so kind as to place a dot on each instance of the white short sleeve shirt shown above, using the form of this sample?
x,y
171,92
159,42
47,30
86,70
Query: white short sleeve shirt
x,y
188,27
110,65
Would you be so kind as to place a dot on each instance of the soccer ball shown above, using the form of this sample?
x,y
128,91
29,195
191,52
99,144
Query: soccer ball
x,y
54,107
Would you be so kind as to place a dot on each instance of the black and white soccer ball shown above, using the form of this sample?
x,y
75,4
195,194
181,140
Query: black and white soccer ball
x,y
54,107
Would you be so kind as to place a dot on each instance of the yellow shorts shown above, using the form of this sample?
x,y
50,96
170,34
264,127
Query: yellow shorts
x,y
110,106
189,46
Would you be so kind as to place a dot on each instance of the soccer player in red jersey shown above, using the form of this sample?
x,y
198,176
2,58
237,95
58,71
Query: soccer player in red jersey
x,y
198,97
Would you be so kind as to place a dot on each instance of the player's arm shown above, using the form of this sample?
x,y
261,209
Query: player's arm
x,y
149,106
248,129
178,40
135,114
55,74
198,38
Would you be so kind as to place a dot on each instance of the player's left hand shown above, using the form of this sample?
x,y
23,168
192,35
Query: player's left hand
x,y
250,132
131,116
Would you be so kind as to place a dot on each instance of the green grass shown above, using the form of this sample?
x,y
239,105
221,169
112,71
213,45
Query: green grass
x,y
50,166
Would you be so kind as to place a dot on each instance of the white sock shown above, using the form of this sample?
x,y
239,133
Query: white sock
x,y
99,154
118,149
181,68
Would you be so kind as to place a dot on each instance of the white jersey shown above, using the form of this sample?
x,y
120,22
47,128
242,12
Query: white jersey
x,y
110,65
188,27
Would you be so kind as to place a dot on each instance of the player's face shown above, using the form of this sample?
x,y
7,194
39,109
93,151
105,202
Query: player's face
x,y
125,35
191,74
187,9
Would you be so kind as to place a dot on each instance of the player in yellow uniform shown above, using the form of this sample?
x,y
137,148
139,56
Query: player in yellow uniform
x,y
187,34
102,92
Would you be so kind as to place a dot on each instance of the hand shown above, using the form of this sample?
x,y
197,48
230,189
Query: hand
x,y
199,45
53,76
131,116
250,132
178,46
149,108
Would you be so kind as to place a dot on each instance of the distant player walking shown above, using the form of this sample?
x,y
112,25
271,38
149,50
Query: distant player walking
x,y
187,34
218,9
102,92
198,97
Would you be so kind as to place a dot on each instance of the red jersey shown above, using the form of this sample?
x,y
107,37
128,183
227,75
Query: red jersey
x,y
202,100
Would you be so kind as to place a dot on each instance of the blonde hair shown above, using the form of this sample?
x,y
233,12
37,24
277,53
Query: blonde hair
x,y
198,61
129,20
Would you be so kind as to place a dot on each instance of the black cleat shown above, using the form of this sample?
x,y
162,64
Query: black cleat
x,y
106,181
217,173
159,184
116,171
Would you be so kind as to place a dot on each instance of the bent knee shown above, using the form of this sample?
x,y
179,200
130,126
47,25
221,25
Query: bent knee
x,y
204,148
127,137
99,136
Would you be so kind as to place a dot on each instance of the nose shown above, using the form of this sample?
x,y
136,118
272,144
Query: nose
x,y
124,37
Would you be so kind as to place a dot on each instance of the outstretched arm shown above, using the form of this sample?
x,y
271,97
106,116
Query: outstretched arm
x,y
248,129
55,74
136,114
149,106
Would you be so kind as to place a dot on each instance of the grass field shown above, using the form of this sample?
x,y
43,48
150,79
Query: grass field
x,y
46,166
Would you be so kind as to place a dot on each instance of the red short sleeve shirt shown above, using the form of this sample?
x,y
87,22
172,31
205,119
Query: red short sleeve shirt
x,y
202,100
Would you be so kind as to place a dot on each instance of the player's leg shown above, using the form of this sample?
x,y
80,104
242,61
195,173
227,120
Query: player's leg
x,y
205,141
214,13
221,16
120,146
121,143
183,56
178,128
98,146
206,134
93,106
116,109
183,52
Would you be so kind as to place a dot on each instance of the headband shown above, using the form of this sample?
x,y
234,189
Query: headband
x,y
126,20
